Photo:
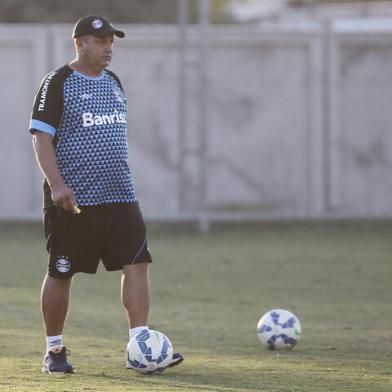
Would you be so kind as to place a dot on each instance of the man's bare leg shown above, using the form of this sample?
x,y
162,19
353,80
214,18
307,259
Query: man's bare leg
x,y
135,293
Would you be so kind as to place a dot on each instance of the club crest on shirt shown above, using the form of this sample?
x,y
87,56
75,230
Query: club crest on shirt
x,y
118,95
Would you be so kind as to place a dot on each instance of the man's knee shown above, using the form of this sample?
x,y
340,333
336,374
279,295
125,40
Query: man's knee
x,y
136,269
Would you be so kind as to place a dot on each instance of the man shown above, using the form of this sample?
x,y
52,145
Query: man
x,y
91,213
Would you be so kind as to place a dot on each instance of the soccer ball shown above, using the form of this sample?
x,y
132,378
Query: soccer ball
x,y
279,329
149,351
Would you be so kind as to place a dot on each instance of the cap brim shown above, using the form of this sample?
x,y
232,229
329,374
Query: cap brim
x,y
105,32
119,34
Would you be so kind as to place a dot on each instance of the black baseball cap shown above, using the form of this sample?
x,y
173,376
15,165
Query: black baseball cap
x,y
95,25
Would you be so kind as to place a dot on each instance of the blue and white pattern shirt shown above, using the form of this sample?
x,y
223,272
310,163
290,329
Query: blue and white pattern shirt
x,y
87,119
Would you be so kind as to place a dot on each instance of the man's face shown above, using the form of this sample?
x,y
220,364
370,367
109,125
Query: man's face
x,y
97,51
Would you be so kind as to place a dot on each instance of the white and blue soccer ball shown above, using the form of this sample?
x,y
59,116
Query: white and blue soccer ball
x,y
149,351
279,329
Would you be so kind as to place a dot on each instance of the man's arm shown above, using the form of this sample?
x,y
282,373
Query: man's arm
x,y
62,196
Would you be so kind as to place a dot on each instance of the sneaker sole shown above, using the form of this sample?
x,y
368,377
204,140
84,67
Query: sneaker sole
x,y
158,371
176,362
47,371
161,370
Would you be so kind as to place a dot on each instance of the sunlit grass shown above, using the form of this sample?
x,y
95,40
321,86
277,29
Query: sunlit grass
x,y
208,293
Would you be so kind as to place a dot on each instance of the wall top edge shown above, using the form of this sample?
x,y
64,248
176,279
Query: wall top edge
x,y
366,24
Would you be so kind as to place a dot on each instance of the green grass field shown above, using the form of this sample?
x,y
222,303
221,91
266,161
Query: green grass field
x,y
208,293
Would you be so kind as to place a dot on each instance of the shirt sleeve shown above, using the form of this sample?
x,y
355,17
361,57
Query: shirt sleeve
x,y
48,105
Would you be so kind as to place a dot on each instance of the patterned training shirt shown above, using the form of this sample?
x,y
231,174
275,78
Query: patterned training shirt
x,y
87,119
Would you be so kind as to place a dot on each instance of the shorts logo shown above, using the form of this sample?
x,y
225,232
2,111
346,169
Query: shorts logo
x,y
63,265
97,23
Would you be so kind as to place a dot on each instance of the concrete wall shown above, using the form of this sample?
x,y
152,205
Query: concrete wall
x,y
298,119
361,120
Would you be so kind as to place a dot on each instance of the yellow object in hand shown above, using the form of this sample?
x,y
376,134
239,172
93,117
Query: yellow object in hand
x,y
76,210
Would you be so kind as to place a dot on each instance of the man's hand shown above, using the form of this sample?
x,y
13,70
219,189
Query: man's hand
x,y
63,197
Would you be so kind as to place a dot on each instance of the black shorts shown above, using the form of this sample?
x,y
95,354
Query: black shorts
x,y
112,233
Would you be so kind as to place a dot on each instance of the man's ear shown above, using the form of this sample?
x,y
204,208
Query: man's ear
x,y
79,42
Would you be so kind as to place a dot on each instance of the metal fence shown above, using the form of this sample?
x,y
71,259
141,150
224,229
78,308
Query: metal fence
x,y
280,121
